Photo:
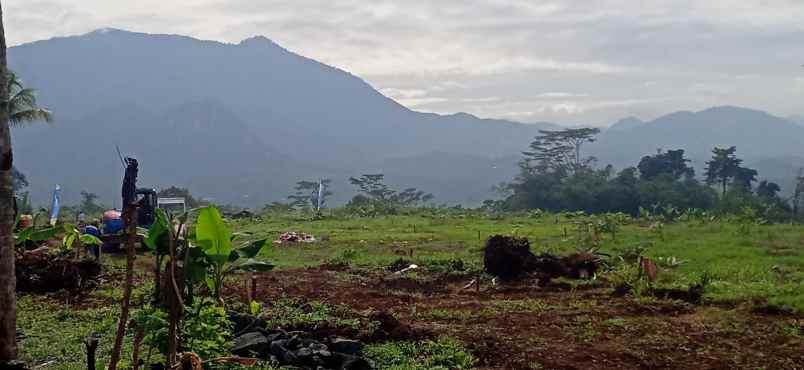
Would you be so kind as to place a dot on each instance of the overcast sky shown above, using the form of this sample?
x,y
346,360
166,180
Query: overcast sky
x,y
572,62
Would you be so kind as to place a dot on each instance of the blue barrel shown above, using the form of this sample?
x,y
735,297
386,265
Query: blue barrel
x,y
113,226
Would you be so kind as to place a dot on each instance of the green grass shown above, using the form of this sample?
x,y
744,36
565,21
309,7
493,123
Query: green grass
x,y
55,334
296,313
493,309
441,354
765,264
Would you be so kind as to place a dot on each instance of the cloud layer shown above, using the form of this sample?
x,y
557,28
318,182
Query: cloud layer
x,y
571,61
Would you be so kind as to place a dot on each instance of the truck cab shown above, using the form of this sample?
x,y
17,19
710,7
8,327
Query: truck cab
x,y
147,200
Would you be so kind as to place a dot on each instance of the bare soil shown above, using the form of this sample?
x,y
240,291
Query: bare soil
x,y
560,326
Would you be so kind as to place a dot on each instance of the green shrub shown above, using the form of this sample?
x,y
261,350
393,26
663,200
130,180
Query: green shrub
x,y
205,328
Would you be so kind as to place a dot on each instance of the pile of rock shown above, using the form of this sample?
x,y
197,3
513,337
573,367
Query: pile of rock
x,y
297,348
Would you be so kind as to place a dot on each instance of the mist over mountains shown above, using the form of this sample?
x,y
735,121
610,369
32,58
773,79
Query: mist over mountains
x,y
240,123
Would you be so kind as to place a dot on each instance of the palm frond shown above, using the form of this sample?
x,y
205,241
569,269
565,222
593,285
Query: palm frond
x,y
24,98
13,82
21,105
25,117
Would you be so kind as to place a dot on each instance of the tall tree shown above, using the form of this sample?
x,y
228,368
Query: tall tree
x,y
744,178
722,168
559,151
307,193
8,308
768,191
373,186
89,202
411,197
177,192
798,192
670,163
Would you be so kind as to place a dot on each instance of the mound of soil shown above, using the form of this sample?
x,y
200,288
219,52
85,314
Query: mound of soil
x,y
507,257
44,273
510,258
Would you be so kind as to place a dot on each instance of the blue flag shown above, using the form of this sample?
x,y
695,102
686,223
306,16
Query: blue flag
x,y
320,194
55,206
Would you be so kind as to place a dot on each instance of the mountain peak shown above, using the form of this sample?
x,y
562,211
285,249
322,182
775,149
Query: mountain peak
x,y
730,109
258,40
626,123
105,30
463,115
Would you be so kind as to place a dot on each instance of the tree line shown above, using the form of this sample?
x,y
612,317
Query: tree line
x,y
555,175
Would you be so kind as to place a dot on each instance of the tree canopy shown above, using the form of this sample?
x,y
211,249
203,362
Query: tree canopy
x,y
306,195
555,176
374,191
179,192
671,163
89,202
559,151
725,167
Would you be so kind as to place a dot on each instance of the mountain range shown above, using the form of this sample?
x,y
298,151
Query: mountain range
x,y
241,123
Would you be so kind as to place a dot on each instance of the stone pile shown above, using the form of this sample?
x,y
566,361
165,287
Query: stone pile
x,y
295,348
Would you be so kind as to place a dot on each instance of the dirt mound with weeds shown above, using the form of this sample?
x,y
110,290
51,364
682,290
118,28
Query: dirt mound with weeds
x,y
44,273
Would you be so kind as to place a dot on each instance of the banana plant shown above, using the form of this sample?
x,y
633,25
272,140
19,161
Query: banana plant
x,y
216,257
31,234
73,239
157,240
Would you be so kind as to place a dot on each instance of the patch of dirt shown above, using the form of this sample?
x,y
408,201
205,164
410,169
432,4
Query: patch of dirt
x,y
45,273
523,326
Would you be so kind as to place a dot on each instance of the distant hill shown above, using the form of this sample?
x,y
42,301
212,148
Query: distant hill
x,y
772,144
796,119
242,122
756,134
198,143
781,170
626,124
282,116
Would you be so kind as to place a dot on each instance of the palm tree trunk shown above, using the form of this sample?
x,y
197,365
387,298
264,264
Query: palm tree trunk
x,y
8,309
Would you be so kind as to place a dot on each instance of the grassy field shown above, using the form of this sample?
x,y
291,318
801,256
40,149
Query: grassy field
x,y
745,263
748,265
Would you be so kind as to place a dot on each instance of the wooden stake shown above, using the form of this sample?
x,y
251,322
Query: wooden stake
x,y
176,303
253,295
130,219
139,335
92,347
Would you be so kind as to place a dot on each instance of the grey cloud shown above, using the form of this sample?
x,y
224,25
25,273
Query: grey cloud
x,y
575,61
